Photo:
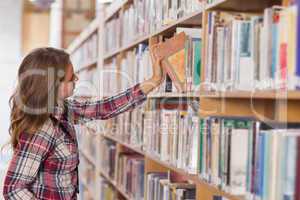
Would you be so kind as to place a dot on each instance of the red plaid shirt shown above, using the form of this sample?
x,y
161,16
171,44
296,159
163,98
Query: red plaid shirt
x,y
45,164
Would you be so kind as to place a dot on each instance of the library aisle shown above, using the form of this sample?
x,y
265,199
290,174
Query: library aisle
x,y
223,125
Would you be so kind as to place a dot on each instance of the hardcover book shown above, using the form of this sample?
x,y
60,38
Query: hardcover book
x,y
172,54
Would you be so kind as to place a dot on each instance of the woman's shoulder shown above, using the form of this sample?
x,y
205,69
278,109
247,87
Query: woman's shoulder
x,y
45,132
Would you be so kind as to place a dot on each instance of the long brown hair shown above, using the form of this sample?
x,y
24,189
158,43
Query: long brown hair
x,y
35,96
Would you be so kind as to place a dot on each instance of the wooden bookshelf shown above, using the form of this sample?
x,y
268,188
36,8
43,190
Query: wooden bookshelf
x,y
174,95
191,19
89,158
271,95
114,184
114,8
242,5
170,167
278,106
84,35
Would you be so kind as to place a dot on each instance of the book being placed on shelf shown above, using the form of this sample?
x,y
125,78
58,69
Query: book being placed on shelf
x,y
247,51
181,59
172,56
160,187
246,157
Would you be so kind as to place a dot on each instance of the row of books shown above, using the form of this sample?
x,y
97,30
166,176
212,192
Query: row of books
x,y
160,187
246,157
136,66
172,136
121,73
86,140
86,54
130,175
128,127
248,51
143,17
88,85
181,59
108,157
87,175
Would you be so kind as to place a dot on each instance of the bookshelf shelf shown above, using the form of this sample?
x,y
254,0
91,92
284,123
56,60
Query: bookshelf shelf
x,y
271,95
84,35
88,157
171,167
174,95
115,139
192,19
86,186
241,5
114,8
262,105
114,184
92,63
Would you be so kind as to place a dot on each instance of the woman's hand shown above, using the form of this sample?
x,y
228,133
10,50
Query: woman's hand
x,y
157,77
156,68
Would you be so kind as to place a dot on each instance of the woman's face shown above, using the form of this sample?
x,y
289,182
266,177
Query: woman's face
x,y
67,85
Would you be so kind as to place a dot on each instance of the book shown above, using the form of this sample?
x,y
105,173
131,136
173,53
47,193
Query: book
x,y
108,157
142,18
251,52
86,54
172,54
107,191
130,174
181,59
161,187
246,157
172,135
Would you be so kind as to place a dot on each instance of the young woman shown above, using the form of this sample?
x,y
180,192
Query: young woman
x,y
45,159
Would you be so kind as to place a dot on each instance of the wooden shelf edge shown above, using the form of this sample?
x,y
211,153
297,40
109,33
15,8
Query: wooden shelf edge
x,y
144,38
84,35
115,185
86,66
269,94
214,4
86,185
174,95
196,179
88,157
114,8
115,139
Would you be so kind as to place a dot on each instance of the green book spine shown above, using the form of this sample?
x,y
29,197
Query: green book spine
x,y
197,62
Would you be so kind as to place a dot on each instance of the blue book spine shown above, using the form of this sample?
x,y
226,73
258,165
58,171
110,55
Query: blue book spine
x,y
259,167
217,197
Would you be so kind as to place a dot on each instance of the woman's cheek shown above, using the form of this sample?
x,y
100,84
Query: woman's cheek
x,y
69,89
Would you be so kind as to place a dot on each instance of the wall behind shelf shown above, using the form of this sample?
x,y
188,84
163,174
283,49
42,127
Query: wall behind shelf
x,y
10,54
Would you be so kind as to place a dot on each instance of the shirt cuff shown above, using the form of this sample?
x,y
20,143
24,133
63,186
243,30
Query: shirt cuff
x,y
137,92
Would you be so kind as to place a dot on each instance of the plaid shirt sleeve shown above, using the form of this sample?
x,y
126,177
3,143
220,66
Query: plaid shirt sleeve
x,y
81,112
25,164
